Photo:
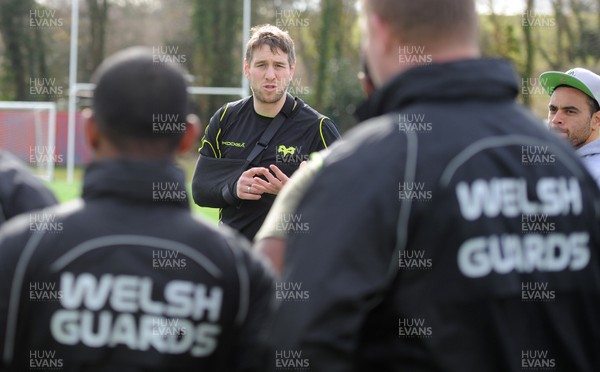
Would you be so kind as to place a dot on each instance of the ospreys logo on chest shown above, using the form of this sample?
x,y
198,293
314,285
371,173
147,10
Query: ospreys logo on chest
x,y
289,154
286,150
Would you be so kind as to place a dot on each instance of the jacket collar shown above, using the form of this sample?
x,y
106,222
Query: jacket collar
x,y
591,149
139,180
484,79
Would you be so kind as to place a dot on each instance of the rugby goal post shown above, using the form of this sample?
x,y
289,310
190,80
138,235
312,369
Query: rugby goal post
x,y
28,131
74,86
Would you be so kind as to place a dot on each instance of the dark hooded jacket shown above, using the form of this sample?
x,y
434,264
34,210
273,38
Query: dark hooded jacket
x,y
449,232
128,279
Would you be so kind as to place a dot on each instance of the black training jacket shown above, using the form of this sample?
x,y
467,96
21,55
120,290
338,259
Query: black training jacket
x,y
20,191
452,232
127,279
232,133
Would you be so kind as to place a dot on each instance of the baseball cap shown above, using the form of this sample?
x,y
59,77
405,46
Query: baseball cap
x,y
578,78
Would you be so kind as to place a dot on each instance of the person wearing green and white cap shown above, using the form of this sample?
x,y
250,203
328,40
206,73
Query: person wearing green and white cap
x,y
574,112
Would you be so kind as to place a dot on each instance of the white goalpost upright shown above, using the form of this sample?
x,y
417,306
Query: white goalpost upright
x,y
72,91
40,124
74,87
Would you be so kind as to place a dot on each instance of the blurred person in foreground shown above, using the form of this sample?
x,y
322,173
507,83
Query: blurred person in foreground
x,y
20,191
574,112
424,249
271,238
126,278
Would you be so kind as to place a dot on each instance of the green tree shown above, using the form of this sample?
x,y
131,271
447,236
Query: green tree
x,y
337,46
98,19
530,48
25,47
217,27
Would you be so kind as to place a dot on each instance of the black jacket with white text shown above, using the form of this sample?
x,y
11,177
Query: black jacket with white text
x,y
127,279
450,232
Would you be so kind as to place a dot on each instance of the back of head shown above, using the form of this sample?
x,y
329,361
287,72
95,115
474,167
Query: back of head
x,y
432,23
275,38
139,102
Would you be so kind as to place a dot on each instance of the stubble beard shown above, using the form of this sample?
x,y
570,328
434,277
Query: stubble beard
x,y
258,95
577,139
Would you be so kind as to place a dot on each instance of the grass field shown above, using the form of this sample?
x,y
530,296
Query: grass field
x,y
65,191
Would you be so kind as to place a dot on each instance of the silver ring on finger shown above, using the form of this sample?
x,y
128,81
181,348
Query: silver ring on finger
x,y
248,190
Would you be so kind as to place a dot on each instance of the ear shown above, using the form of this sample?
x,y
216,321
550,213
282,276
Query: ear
x,y
92,137
595,124
380,48
292,69
382,34
192,132
246,69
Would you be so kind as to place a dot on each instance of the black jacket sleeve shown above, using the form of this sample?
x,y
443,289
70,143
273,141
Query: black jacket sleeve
x,y
328,134
20,191
256,299
214,180
210,145
12,246
342,267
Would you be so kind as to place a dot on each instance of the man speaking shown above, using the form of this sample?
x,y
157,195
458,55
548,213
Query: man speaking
x,y
253,145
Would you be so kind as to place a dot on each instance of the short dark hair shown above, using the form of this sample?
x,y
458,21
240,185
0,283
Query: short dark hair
x,y
274,37
594,106
424,22
140,100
